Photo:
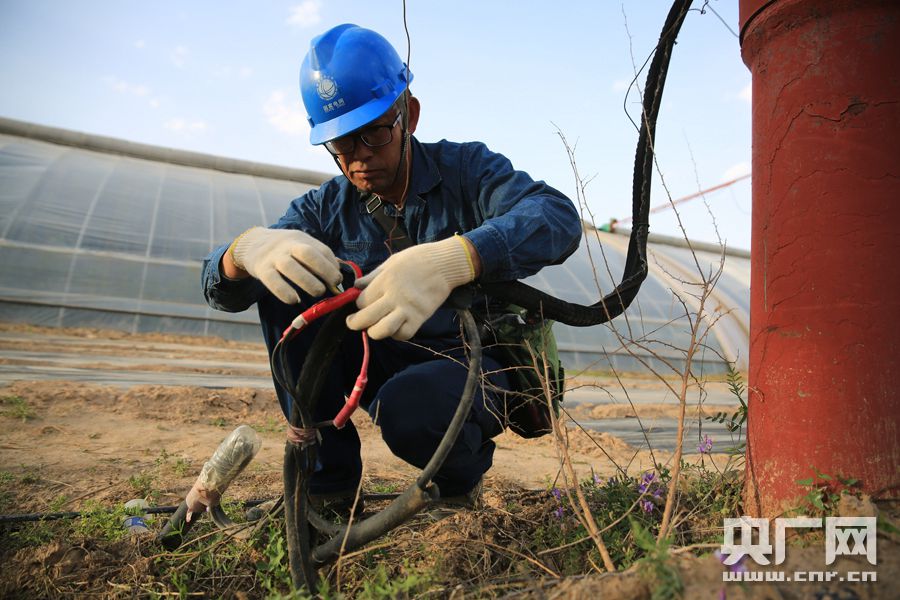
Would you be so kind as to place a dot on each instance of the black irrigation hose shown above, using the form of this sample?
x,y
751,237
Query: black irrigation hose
x,y
635,271
304,554
55,516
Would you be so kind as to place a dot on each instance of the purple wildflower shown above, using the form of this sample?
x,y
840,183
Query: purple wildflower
x,y
647,506
558,513
596,479
646,480
556,493
706,445
738,567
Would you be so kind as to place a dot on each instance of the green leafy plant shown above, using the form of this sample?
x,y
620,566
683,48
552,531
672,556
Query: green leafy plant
x,y
98,521
181,467
382,584
656,563
735,421
141,483
384,487
57,503
823,491
18,408
272,425
273,572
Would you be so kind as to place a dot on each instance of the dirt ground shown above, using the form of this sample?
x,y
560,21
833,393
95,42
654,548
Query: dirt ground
x,y
86,437
70,442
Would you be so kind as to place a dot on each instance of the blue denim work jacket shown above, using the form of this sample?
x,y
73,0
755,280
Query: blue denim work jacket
x,y
518,225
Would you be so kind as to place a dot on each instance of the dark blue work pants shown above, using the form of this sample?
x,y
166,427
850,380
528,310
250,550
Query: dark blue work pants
x,y
414,388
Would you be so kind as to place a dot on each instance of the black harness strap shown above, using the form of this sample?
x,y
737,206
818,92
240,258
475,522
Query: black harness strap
x,y
397,237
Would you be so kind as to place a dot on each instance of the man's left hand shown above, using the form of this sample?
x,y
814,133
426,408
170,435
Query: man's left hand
x,y
409,286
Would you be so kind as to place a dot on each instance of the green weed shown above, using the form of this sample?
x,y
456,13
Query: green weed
x,y
30,535
57,504
273,572
18,408
7,480
272,425
181,467
824,491
656,564
382,584
735,421
384,488
98,521
141,483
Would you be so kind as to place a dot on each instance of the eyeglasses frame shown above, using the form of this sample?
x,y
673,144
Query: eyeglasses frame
x,y
358,135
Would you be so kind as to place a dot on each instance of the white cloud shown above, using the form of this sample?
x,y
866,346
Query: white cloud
x,y
139,90
736,170
286,117
140,44
620,85
179,56
179,125
746,94
227,72
305,14
125,87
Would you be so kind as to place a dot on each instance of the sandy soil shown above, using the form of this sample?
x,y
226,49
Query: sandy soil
x,y
101,442
90,439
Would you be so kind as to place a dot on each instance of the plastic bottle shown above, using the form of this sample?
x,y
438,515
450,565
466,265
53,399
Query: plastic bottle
x,y
233,454
136,523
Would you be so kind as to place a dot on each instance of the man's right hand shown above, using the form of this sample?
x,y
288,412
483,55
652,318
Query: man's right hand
x,y
277,256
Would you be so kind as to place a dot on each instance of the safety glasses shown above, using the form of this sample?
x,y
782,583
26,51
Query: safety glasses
x,y
373,137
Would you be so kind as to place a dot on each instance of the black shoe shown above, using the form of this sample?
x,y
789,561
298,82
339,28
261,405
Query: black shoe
x,y
449,505
471,500
337,506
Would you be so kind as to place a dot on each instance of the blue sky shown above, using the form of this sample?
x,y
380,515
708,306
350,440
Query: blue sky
x,y
221,78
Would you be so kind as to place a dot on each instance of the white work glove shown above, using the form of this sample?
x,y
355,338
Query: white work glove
x,y
200,500
276,256
409,286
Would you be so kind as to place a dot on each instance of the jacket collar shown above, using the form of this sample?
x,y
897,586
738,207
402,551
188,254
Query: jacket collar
x,y
424,177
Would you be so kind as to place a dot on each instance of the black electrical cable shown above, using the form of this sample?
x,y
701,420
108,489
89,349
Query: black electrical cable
x,y
635,270
299,462
422,491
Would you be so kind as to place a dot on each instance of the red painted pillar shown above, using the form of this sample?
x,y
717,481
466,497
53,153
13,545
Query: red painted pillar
x,y
824,377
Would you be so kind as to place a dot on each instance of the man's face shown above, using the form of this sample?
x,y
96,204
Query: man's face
x,y
374,169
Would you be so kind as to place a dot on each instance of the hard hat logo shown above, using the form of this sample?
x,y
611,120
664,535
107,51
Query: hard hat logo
x,y
326,88
371,73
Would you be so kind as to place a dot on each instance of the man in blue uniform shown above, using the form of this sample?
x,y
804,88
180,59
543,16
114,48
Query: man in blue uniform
x,y
468,214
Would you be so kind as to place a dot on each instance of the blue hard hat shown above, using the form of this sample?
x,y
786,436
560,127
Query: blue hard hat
x,y
350,77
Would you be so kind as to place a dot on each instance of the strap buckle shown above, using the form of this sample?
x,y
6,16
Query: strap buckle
x,y
373,204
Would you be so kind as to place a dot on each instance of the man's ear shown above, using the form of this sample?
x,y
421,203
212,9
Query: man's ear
x,y
414,108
